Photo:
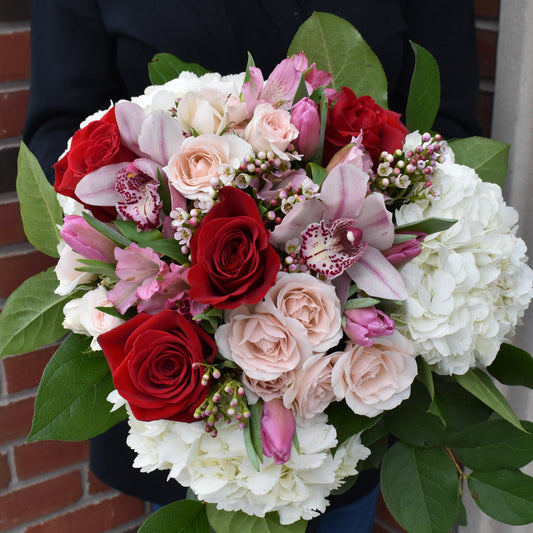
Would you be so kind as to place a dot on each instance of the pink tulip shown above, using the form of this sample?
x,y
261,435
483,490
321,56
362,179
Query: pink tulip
x,y
365,323
306,119
87,241
277,430
402,252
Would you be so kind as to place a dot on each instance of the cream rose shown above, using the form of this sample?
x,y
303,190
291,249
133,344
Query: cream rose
x,y
200,159
267,390
263,342
375,378
312,302
310,390
270,129
83,317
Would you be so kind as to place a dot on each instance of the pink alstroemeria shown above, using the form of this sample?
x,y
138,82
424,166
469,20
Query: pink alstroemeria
x,y
354,154
281,85
87,241
139,271
366,323
277,431
138,187
344,232
306,119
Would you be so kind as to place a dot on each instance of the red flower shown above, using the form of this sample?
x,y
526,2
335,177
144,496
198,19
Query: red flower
x,y
381,128
94,146
152,359
232,261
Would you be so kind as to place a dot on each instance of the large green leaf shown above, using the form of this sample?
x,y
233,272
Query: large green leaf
x,y
39,207
424,93
428,225
512,366
32,315
165,67
488,157
71,401
183,516
506,495
338,48
420,488
493,445
412,423
480,385
224,522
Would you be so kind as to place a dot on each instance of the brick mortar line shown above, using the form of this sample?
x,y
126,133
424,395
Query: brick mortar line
x,y
14,27
10,142
13,86
485,23
19,248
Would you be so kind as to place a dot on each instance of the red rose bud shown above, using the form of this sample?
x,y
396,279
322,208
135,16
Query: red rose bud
x,y
277,430
402,252
87,241
96,145
305,117
156,363
366,323
232,260
350,115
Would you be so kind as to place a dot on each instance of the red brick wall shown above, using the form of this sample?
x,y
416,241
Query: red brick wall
x,y
47,487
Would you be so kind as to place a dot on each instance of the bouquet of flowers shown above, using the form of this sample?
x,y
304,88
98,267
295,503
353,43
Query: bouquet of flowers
x,y
267,279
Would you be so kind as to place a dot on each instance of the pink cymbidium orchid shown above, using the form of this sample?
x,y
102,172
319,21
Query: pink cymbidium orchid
x,y
344,233
277,430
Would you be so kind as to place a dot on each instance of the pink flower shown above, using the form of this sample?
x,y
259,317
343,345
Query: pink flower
x,y
363,324
306,119
376,378
353,154
277,430
402,252
86,240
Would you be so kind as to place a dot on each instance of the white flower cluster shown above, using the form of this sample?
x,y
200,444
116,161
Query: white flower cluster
x,y
219,471
470,285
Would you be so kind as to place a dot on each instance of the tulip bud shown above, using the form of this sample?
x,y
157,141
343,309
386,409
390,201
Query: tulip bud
x,y
306,119
365,323
277,430
87,241
402,252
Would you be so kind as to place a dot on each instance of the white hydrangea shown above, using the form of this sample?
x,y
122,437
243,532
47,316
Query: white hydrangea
x,y
218,469
470,285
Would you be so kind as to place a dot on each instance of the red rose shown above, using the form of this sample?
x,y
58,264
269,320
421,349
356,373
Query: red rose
x,y
152,359
94,146
349,116
232,261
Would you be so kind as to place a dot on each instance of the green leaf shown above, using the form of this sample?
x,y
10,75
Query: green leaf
x,y
424,92
71,401
99,267
506,495
412,423
256,411
108,231
170,248
226,522
346,422
164,193
420,488
404,237
183,516
317,172
425,375
128,228
32,315
301,90
512,366
428,225
250,450
165,67
460,519
357,303
480,385
338,48
488,157
323,111
39,208
249,63
493,445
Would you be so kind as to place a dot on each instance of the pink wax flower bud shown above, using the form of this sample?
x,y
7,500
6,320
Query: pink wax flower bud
x,y
277,430
402,252
366,323
306,119
87,241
